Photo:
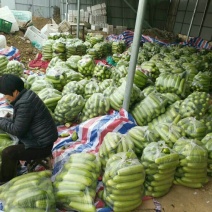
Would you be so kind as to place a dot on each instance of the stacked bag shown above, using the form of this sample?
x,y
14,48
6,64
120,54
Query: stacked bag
x,y
75,185
123,180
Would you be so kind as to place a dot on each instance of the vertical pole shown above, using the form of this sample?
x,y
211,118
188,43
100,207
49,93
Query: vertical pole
x,y
189,29
134,55
66,17
49,8
78,18
61,9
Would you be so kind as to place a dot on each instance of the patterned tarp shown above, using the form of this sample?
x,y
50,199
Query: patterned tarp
x,y
11,53
128,35
90,136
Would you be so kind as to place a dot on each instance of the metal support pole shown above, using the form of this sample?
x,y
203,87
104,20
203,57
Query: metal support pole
x,y
134,55
78,18
192,20
130,6
66,16
61,9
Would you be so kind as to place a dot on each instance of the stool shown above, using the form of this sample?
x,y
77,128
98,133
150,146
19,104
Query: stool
x,y
45,162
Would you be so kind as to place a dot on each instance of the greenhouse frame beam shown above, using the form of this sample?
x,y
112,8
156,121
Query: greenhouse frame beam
x,y
78,17
134,54
192,19
130,6
203,17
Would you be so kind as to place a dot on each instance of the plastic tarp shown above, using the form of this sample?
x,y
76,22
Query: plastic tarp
x,y
90,136
128,35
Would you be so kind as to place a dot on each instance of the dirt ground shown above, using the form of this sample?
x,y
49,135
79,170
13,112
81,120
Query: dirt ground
x,y
27,51
182,199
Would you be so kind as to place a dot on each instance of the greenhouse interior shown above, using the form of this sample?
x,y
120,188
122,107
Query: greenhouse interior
x,y
106,105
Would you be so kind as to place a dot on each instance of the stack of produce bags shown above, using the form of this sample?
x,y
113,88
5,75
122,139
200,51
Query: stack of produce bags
x,y
141,137
160,163
68,108
123,180
113,143
75,185
207,142
192,169
29,192
96,105
50,97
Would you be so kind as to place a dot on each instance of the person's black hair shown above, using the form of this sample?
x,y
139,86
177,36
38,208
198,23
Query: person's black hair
x,y
9,83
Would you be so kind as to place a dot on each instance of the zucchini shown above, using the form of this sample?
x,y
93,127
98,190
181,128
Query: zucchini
x,y
45,204
82,207
78,178
167,158
86,199
86,156
65,185
127,178
123,204
134,196
68,193
126,191
28,197
138,168
129,185
127,208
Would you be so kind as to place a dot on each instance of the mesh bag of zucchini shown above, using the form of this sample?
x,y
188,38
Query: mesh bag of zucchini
x,y
72,61
75,186
192,169
195,105
149,108
113,143
193,128
170,116
68,108
91,87
40,84
47,50
169,132
117,97
207,141
141,137
173,83
57,76
160,163
123,182
29,192
3,61
50,97
96,105
86,66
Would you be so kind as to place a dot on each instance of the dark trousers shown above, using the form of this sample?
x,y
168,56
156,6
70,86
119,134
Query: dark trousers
x,y
13,154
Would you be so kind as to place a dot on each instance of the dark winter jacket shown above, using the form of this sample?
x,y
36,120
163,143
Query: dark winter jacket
x,y
32,123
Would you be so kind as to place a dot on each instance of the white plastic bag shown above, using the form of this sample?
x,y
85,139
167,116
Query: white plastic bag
x,y
6,14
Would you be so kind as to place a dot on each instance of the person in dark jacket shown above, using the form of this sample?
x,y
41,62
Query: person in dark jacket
x,y
31,122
